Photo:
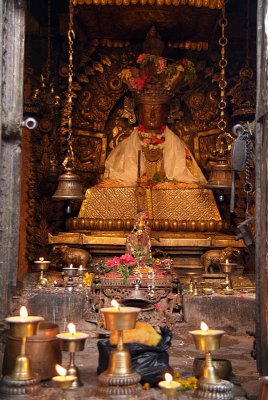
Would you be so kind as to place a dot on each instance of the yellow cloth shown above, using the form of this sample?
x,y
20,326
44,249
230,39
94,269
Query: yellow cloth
x,y
143,333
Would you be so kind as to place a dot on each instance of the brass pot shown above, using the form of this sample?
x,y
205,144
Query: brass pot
x,y
263,393
43,349
223,367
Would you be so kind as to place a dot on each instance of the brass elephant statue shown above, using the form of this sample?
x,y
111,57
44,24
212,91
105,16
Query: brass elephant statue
x,y
72,255
212,259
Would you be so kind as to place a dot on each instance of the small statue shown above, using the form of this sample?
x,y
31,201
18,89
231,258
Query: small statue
x,y
214,258
71,255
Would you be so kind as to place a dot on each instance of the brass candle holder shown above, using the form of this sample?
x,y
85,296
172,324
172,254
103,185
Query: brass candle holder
x,y
81,272
209,340
169,387
73,342
63,381
70,272
42,265
119,379
22,379
191,283
227,269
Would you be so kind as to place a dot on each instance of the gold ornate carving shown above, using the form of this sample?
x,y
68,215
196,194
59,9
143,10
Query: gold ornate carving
x,y
90,151
178,204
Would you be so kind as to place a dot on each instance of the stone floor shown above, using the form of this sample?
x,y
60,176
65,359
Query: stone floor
x,y
182,353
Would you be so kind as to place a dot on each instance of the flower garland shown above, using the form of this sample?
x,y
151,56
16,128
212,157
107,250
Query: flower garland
x,y
155,70
152,141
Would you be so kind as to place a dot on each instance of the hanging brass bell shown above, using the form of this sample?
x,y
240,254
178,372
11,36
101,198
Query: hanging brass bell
x,y
220,176
68,187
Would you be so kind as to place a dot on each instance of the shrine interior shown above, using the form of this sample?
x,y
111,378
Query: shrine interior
x,y
180,251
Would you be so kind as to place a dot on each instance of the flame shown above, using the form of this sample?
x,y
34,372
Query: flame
x,y
23,312
71,266
41,259
168,377
203,326
115,304
227,261
71,328
60,370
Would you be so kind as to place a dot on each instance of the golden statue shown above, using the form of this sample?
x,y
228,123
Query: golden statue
x,y
152,158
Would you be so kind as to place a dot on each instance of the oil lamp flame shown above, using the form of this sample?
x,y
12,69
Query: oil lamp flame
x,y
71,328
203,326
168,377
60,370
23,312
115,304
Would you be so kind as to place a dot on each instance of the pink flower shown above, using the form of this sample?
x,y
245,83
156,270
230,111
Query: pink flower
x,y
113,262
147,141
149,230
138,83
143,215
156,140
141,57
127,259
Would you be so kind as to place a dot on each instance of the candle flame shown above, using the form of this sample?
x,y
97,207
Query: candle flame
x,y
203,326
60,370
168,377
41,259
23,312
71,328
71,266
115,304
227,261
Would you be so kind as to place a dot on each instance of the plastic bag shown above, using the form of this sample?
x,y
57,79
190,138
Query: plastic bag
x,y
151,362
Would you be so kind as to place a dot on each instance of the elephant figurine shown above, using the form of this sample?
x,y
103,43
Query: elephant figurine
x,y
72,255
214,258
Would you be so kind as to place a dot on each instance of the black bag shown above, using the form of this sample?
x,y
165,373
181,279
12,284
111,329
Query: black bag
x,y
151,362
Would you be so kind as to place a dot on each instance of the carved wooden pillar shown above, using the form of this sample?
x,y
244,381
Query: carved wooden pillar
x,y
12,32
261,189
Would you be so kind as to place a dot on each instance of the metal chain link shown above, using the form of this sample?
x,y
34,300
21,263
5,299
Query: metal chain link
x,y
69,160
223,41
248,185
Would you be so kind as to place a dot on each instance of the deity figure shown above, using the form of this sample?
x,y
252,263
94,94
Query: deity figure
x,y
153,153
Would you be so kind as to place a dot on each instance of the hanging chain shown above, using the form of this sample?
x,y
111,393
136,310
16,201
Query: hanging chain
x,y
69,160
248,184
223,41
48,40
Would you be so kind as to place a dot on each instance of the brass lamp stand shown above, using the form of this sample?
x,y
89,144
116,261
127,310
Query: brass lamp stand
x,y
227,270
210,386
119,379
22,379
42,265
73,342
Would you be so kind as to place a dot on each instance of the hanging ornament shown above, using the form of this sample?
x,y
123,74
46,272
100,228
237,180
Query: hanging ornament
x,y
221,172
69,183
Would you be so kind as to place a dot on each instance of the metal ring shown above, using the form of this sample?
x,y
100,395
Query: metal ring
x,y
29,123
222,84
222,104
223,63
223,41
222,125
248,187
